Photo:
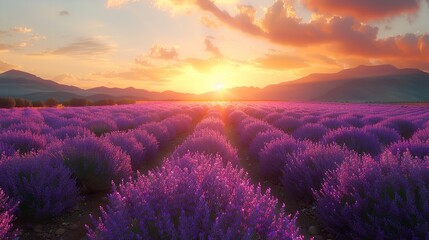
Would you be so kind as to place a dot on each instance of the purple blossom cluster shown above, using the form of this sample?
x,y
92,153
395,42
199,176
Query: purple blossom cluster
x,y
305,169
7,208
41,183
193,197
369,199
209,138
95,162
364,166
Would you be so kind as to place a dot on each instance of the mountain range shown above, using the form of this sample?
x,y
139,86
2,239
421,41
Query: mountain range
x,y
380,83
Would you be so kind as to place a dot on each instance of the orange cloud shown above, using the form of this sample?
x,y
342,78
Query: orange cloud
x,y
117,3
6,66
5,47
363,9
344,35
83,47
280,61
21,29
159,52
145,74
210,47
209,22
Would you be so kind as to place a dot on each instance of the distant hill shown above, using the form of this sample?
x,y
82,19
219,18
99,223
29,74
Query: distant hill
x,y
382,83
16,83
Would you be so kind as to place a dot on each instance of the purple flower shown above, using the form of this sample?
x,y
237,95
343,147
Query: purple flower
x,y
23,142
355,139
416,149
42,184
385,136
404,127
305,169
248,132
274,155
193,197
261,139
208,142
72,132
287,124
101,126
7,209
149,143
95,162
366,199
310,131
135,149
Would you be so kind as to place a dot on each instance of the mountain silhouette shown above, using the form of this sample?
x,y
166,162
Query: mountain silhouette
x,y
380,83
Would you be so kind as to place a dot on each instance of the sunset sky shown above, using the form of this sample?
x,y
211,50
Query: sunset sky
x,y
202,45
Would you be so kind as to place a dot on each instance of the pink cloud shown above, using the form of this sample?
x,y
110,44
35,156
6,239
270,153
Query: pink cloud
x,y
210,47
159,52
363,9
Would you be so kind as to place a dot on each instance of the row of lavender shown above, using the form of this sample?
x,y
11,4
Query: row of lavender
x,y
198,193
48,159
206,196
365,167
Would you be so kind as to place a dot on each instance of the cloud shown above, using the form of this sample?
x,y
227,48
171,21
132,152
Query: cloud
x,y
146,74
280,61
210,47
209,22
159,52
88,46
363,9
117,3
343,35
69,78
21,29
336,35
6,47
6,66
64,13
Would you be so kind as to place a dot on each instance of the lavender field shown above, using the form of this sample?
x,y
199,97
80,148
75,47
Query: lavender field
x,y
215,170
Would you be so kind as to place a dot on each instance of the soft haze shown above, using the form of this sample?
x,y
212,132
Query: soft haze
x,y
203,45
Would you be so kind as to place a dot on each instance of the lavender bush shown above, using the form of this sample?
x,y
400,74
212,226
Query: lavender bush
x,y
421,135
193,197
261,139
72,132
305,169
208,142
354,139
158,130
274,156
404,127
95,162
101,126
129,144
249,131
23,142
211,123
42,184
385,136
148,141
7,208
366,199
310,131
287,124
416,149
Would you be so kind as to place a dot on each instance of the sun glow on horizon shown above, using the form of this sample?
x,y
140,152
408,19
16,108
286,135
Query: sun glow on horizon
x,y
219,86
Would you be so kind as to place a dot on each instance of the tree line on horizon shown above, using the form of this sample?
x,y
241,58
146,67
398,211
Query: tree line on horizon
x,y
11,102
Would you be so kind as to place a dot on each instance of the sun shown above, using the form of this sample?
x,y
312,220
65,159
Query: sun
x,y
219,86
